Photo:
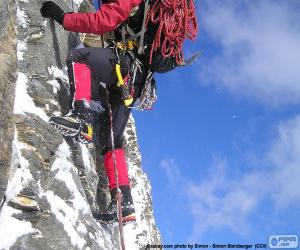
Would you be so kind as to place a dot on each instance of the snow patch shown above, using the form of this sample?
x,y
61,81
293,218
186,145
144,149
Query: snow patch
x,y
57,73
82,228
22,175
8,224
86,157
23,102
131,241
63,151
20,179
21,48
78,1
63,167
92,236
56,113
67,216
21,18
55,84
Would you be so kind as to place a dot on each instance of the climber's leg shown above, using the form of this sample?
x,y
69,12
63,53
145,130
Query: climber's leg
x,y
115,158
86,68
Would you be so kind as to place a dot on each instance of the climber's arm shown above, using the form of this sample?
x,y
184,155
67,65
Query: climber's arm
x,y
106,19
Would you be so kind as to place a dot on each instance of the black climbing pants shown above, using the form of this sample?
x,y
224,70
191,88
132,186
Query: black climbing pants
x,y
93,84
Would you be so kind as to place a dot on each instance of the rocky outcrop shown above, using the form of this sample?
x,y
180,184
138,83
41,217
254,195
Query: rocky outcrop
x,y
8,67
55,183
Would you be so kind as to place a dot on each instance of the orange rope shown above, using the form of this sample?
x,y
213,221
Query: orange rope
x,y
177,21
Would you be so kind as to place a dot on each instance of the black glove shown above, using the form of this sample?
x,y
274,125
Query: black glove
x,y
51,9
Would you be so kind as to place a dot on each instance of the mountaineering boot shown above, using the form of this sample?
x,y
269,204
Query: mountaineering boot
x,y
110,216
116,159
71,125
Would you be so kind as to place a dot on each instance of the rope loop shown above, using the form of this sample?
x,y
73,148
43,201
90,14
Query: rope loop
x,y
177,21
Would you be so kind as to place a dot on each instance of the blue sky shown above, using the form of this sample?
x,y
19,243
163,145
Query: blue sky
x,y
222,145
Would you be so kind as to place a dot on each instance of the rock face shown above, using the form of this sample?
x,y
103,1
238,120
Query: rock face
x,y
8,67
53,185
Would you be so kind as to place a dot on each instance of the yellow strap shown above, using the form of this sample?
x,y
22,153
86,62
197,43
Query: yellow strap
x,y
128,101
121,84
90,130
119,75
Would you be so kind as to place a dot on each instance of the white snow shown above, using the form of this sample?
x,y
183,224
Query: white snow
x,y
55,85
8,224
23,102
57,73
20,179
21,18
91,236
63,151
86,157
82,228
63,166
130,234
78,1
21,48
67,216
22,174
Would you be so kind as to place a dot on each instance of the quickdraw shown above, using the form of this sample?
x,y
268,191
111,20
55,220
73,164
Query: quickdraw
x,y
148,96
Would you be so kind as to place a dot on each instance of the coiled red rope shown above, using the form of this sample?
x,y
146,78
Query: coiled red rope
x,y
177,21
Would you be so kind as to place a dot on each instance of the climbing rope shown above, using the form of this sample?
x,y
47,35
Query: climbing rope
x,y
118,194
177,21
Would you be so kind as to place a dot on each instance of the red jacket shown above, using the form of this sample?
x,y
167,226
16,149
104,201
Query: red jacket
x,y
106,19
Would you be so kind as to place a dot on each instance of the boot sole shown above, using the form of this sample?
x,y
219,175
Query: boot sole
x,y
125,220
66,131
71,132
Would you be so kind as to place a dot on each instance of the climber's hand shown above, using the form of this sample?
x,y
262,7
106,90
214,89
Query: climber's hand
x,y
51,9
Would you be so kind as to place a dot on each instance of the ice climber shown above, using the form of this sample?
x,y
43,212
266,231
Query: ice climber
x,y
114,78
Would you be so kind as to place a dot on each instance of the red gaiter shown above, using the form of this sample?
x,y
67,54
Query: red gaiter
x,y
121,167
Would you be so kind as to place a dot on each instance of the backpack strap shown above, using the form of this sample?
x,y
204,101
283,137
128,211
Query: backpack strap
x,y
125,29
143,31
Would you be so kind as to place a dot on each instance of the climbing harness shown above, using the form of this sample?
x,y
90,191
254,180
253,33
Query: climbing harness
x,y
148,96
118,194
164,27
126,95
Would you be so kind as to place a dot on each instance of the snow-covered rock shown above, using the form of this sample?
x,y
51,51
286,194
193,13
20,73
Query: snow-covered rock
x,y
54,183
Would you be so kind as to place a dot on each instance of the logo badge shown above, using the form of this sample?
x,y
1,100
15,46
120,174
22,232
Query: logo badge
x,y
283,241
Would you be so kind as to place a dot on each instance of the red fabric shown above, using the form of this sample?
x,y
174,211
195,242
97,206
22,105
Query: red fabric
x,y
121,167
106,19
83,82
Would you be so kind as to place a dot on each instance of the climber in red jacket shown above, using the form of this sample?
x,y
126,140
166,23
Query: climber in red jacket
x,y
93,91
